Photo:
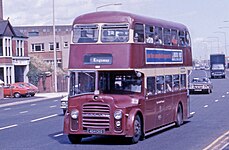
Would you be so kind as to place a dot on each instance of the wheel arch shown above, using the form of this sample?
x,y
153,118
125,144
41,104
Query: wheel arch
x,y
130,121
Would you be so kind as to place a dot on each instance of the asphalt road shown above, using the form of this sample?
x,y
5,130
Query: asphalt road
x,y
39,125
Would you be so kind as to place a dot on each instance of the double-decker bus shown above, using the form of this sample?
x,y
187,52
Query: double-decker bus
x,y
128,76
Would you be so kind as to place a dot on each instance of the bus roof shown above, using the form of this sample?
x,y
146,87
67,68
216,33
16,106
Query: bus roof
x,y
121,17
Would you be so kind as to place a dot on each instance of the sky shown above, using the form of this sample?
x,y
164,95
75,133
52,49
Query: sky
x,y
202,17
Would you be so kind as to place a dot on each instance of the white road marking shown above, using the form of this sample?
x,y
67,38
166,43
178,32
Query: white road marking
x,y
223,95
7,109
7,127
33,104
47,117
205,106
57,135
227,92
216,100
52,106
23,112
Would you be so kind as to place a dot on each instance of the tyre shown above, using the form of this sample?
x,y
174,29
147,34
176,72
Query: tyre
x,y
17,95
179,116
137,130
74,139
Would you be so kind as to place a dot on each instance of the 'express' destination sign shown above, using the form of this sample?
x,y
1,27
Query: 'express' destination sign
x,y
98,59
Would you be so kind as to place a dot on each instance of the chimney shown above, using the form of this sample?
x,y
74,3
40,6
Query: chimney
x,y
1,10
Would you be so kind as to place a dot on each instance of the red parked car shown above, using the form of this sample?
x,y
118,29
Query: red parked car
x,y
30,86
20,89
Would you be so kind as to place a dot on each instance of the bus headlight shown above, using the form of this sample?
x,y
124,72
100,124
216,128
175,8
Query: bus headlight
x,y
74,113
118,114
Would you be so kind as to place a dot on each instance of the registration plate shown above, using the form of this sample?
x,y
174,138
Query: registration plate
x,y
96,131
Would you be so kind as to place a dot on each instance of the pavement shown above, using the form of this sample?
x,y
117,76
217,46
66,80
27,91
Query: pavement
x,y
51,95
6,102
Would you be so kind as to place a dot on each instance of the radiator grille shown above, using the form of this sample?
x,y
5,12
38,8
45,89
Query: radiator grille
x,y
96,116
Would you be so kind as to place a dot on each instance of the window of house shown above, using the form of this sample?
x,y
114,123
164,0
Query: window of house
x,y
51,47
19,48
65,44
1,47
37,47
7,47
33,33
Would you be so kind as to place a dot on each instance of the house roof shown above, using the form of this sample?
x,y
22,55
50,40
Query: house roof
x,y
19,34
3,25
7,29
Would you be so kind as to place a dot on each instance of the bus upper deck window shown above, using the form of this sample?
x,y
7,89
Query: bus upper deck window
x,y
139,33
149,32
181,41
174,37
167,36
158,36
115,33
85,34
187,39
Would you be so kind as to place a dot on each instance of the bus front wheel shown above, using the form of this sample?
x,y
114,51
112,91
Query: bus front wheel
x,y
137,130
74,139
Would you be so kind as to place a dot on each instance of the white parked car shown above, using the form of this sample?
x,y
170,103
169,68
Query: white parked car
x,y
64,104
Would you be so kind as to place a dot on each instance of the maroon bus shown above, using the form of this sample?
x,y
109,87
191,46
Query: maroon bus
x,y
128,76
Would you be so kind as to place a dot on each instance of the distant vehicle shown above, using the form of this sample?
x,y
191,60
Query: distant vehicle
x,y
207,68
201,85
18,90
64,104
202,67
217,65
197,67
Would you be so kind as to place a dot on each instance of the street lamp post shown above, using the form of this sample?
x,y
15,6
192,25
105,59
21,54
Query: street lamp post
x,y
54,49
205,47
225,38
217,41
115,4
210,45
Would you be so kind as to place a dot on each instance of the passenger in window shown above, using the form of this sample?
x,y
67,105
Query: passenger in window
x,y
174,40
138,37
149,39
105,36
84,38
157,40
181,42
160,88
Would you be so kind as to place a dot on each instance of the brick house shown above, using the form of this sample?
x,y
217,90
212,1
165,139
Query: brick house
x,y
40,45
14,59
